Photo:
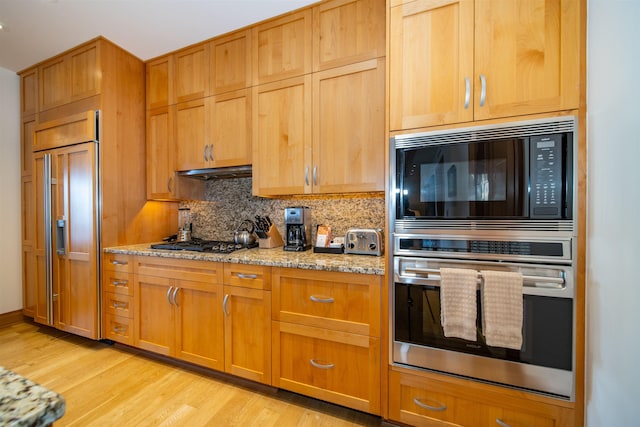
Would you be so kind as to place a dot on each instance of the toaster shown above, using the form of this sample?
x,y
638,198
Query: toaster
x,y
363,241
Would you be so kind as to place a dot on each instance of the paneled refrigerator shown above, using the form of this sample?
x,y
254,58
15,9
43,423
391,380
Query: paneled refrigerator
x,y
67,224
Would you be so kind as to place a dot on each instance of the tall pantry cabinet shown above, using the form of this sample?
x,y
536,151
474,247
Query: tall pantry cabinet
x,y
95,76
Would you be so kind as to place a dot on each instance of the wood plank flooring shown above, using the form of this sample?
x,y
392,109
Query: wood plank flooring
x,y
107,385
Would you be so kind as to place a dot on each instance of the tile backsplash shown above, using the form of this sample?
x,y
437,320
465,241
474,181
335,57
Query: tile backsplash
x,y
229,201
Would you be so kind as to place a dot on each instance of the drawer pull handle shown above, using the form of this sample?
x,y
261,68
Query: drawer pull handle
x,y
321,299
224,305
119,329
169,295
120,282
117,304
247,276
501,423
116,262
440,408
173,296
321,365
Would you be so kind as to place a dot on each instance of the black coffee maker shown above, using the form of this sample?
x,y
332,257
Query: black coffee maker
x,y
297,224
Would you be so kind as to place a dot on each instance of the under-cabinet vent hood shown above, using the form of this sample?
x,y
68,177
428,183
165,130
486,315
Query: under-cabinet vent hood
x,y
218,173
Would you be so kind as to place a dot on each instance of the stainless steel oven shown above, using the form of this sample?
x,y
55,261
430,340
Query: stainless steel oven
x,y
497,197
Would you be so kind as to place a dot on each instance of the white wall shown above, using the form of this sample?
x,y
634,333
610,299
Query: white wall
x,y
10,208
613,256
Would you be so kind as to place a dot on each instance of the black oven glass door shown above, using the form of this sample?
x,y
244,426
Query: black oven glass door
x,y
475,180
546,334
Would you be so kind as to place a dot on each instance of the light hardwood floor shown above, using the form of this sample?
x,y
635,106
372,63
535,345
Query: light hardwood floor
x,y
107,385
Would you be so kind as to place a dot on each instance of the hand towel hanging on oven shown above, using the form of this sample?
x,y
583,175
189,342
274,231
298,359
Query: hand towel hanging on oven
x,y
458,306
502,309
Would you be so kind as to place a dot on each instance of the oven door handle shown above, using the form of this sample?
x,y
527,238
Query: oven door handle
x,y
528,281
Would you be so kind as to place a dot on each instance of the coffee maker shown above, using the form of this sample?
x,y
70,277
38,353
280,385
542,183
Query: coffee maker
x,y
297,223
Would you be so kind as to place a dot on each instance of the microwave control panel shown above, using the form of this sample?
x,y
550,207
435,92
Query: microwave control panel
x,y
546,159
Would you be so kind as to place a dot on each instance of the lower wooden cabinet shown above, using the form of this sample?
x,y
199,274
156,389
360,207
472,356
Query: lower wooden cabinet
x,y
425,399
117,298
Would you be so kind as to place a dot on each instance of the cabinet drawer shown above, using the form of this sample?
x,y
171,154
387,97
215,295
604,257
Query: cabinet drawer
x,y
117,262
335,366
117,305
248,276
117,282
180,269
118,329
345,302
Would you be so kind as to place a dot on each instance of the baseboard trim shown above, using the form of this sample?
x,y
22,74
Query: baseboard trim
x,y
10,318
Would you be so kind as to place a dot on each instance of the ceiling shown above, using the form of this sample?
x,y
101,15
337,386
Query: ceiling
x,y
35,30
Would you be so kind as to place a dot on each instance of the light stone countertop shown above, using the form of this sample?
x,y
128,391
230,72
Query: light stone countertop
x,y
25,403
275,257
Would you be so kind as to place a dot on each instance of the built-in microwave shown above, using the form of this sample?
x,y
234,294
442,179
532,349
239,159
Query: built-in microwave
x,y
520,171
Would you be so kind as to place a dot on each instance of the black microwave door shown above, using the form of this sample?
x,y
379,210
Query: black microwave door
x,y
478,180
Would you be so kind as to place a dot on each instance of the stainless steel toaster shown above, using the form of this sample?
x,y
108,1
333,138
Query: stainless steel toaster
x,y
364,241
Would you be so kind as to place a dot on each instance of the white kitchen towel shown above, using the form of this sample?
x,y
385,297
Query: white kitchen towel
x,y
502,309
458,304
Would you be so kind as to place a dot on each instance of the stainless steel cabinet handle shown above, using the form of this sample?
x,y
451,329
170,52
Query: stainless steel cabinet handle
x,y
501,423
173,296
483,90
118,283
169,294
60,237
467,92
321,365
48,238
116,262
204,152
169,181
440,408
306,175
321,299
117,304
247,276
119,330
315,175
211,152
224,304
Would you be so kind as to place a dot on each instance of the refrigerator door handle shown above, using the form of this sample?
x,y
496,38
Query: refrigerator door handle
x,y
48,181
60,237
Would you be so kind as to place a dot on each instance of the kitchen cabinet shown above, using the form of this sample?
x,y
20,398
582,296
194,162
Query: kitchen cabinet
x,y
459,61
28,215
347,31
425,399
192,134
230,67
247,321
29,92
71,77
191,73
282,137
159,78
178,309
326,336
282,47
117,298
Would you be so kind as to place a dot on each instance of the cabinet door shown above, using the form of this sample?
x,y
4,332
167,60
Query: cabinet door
x,y
282,137
528,55
153,314
159,75
431,63
282,48
160,153
247,332
348,128
84,67
28,218
54,83
191,73
29,92
199,324
231,129
231,62
192,134
347,31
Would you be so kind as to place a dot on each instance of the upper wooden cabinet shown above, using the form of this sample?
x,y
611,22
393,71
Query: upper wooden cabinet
x,y
29,92
191,73
230,67
159,82
71,77
282,47
458,61
347,31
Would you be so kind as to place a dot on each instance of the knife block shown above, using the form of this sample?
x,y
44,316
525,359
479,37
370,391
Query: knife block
x,y
273,241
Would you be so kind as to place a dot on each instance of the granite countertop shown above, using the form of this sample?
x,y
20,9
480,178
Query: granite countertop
x,y
276,257
25,403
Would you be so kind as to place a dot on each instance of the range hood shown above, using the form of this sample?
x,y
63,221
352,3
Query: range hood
x,y
218,173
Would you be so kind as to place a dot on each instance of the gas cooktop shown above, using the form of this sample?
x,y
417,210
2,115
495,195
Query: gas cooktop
x,y
198,245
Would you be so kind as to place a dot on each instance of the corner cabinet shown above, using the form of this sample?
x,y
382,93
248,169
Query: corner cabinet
x,y
326,336
465,60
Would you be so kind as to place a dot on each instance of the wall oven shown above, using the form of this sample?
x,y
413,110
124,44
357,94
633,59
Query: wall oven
x,y
500,198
